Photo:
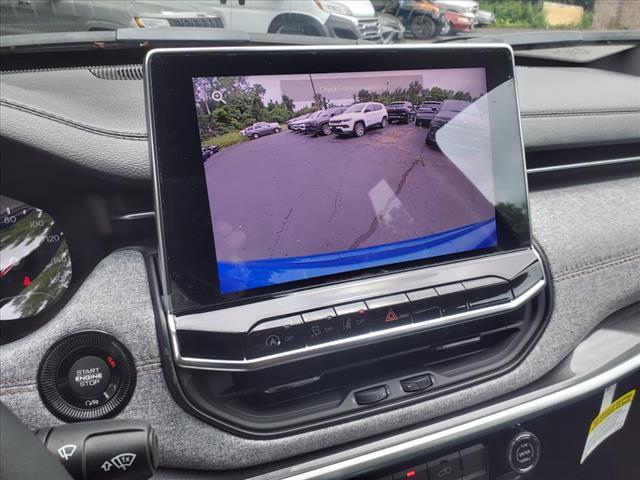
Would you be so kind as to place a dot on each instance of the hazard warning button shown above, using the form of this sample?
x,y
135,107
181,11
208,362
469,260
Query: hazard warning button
x,y
389,312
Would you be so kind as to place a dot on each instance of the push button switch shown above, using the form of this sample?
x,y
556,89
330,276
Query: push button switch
x,y
372,395
388,312
275,336
418,472
417,383
473,461
485,292
446,468
453,298
89,376
524,452
425,304
352,319
320,326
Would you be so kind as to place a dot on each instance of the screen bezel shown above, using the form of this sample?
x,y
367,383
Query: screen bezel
x,y
187,254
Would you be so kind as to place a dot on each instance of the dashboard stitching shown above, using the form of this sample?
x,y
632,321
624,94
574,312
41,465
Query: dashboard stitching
x,y
598,261
597,267
20,389
71,123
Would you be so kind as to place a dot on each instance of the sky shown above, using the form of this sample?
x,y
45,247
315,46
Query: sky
x,y
339,87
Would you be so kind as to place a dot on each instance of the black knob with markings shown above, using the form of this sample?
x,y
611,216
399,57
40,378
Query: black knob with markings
x,y
523,452
87,375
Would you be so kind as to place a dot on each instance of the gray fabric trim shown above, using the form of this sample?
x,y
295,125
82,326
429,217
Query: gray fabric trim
x,y
589,232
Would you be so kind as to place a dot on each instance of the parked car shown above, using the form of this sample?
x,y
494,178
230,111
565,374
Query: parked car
x,y
294,123
426,112
301,127
420,17
209,151
18,17
360,117
260,129
319,125
485,17
467,8
350,19
401,112
391,28
455,23
448,110
291,121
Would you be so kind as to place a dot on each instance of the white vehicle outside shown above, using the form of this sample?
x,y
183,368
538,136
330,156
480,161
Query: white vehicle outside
x,y
22,16
351,19
360,117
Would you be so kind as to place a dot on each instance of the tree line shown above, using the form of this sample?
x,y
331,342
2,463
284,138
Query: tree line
x,y
244,105
415,94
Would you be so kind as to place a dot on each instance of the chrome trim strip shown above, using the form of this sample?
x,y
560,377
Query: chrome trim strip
x,y
483,422
134,216
572,166
343,343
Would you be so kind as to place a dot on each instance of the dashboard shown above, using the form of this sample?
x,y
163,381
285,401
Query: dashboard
x,y
528,333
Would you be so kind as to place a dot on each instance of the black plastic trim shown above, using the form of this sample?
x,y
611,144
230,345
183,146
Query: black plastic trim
x,y
177,388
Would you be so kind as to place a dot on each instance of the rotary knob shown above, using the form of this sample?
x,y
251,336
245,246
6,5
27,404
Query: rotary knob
x,y
87,375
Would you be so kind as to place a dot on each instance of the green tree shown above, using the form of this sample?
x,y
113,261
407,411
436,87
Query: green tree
x,y
288,103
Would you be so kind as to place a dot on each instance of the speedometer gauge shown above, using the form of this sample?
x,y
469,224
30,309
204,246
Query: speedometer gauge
x,y
35,265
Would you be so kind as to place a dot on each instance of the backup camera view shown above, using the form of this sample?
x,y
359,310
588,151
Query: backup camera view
x,y
313,175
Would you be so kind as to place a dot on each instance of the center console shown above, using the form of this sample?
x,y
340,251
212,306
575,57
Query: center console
x,y
324,257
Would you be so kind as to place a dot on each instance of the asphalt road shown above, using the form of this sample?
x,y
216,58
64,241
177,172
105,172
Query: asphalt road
x,y
290,194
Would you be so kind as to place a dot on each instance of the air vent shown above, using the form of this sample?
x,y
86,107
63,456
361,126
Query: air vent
x,y
119,72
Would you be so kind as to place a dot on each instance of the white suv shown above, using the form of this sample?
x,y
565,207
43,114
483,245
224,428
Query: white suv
x,y
360,117
351,19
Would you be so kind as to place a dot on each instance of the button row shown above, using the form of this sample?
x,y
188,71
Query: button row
x,y
467,464
378,393
382,313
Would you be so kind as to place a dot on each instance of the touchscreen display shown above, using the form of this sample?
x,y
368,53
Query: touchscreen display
x,y
320,174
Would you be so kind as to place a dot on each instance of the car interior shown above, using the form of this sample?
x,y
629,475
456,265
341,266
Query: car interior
x,y
217,263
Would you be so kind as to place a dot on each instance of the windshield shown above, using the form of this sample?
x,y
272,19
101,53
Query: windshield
x,y
355,108
378,21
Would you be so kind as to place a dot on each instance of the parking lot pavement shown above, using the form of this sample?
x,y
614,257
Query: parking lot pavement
x,y
289,194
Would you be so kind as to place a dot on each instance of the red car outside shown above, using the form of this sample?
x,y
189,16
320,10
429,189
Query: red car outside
x,y
455,23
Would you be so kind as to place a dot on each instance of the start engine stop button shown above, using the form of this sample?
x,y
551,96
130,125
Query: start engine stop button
x,y
524,452
89,376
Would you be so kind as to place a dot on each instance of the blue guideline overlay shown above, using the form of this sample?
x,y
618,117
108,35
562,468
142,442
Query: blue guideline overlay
x,y
236,276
